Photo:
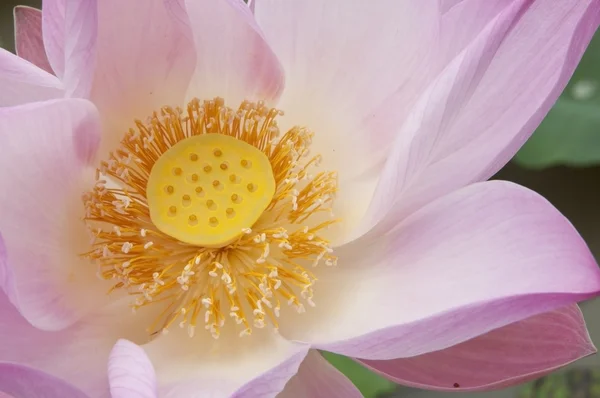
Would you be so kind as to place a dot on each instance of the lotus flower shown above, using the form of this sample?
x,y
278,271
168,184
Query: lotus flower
x,y
260,183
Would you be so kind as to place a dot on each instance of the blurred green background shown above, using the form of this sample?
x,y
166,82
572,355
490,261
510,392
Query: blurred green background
x,y
560,162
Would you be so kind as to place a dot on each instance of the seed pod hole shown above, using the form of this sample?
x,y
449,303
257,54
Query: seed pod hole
x,y
234,179
246,163
230,213
211,205
217,185
235,198
193,177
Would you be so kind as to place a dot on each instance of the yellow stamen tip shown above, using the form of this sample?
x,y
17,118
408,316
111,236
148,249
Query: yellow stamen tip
x,y
217,214
204,164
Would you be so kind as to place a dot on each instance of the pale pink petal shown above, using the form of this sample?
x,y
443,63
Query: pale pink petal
x,y
483,257
25,382
78,354
81,26
177,10
24,82
391,111
454,13
317,378
144,62
355,70
510,355
69,29
130,372
271,383
28,37
486,102
253,366
233,59
46,149
6,274
342,60
53,30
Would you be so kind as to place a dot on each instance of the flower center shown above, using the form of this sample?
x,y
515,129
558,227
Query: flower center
x,y
206,189
213,216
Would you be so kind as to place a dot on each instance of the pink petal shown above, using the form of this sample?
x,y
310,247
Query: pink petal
x,y
273,382
53,29
24,82
144,62
454,13
22,381
28,37
393,110
356,70
316,378
510,355
234,61
24,344
69,29
483,257
486,102
6,275
253,366
46,149
78,354
342,60
130,372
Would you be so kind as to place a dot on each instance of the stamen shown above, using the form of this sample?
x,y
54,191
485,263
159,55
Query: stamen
x,y
243,277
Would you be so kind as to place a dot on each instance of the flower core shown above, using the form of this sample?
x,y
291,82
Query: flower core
x,y
207,188
212,215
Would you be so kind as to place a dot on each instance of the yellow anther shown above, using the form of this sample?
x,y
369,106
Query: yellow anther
x,y
206,208
184,228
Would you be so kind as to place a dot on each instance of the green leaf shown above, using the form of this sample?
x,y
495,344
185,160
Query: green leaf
x,y
370,384
570,134
582,382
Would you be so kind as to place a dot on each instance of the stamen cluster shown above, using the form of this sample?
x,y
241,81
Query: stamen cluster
x,y
247,280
